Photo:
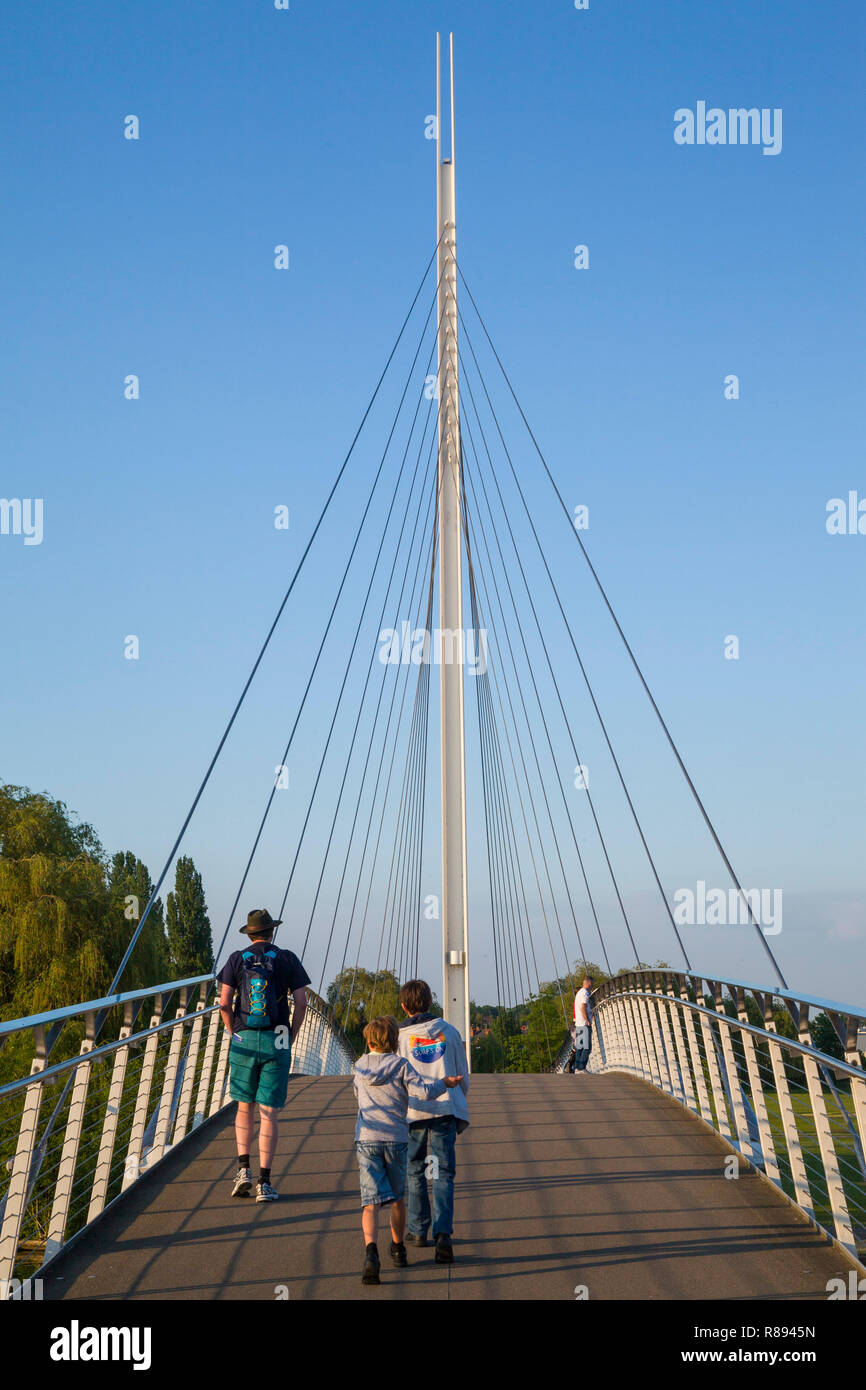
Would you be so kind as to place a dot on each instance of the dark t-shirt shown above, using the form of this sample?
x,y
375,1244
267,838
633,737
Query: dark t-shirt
x,y
289,975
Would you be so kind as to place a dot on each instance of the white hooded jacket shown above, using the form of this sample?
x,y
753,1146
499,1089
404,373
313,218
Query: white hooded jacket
x,y
436,1049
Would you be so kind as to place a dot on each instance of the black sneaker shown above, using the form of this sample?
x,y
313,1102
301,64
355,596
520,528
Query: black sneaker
x,y
243,1183
370,1274
398,1254
444,1254
414,1239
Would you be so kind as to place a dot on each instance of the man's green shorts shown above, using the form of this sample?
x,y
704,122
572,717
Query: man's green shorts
x,y
259,1067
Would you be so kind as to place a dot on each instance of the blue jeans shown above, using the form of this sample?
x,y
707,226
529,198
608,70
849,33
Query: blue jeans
x,y
433,1140
583,1047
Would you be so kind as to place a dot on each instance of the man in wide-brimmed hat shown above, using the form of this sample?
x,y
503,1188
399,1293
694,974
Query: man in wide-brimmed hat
x,y
254,1004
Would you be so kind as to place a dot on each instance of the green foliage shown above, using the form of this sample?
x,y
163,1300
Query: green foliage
x,y
129,880
54,944
67,915
188,925
357,995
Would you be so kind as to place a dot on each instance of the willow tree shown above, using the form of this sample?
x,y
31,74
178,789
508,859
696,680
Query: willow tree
x,y
55,933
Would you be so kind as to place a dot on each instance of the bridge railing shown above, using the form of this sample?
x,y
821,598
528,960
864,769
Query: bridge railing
x,y
84,1119
744,1060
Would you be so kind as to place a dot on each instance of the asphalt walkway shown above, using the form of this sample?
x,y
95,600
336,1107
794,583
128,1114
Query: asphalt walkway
x,y
563,1182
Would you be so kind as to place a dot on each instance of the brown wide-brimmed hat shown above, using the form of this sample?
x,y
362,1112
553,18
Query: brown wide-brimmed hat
x,y
259,921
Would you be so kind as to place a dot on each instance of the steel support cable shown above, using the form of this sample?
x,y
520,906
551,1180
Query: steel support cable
x,y
342,690
613,879
375,858
514,857
372,657
513,853
331,616
529,843
413,907
632,657
407,833
525,770
409,911
420,867
526,775
499,895
534,749
406,837
152,899
361,708
512,926
534,813
421,567
550,747
583,671
382,754
497,902
394,901
526,585
397,836
513,870
508,846
345,776
489,859
508,931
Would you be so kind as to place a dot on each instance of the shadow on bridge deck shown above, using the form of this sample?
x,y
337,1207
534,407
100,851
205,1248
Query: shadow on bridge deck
x,y
561,1181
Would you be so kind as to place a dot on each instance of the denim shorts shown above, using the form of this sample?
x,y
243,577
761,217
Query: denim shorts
x,y
259,1069
382,1168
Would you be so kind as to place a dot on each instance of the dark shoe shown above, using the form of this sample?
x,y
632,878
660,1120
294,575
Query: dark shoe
x,y
370,1273
444,1254
414,1239
398,1255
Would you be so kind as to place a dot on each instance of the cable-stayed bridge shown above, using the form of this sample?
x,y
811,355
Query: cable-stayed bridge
x,y
716,1143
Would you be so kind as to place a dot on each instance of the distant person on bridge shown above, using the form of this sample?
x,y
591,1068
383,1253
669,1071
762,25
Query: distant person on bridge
x,y
381,1084
260,979
436,1049
582,1026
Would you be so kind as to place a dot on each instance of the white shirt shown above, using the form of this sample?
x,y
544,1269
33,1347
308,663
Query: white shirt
x,y
582,997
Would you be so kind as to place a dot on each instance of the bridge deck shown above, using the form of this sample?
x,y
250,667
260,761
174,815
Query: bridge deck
x,y
594,1180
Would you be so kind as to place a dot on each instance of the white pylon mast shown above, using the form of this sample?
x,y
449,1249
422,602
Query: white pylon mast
x,y
455,947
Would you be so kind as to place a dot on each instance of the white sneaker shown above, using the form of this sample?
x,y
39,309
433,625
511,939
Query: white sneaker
x,y
243,1183
266,1193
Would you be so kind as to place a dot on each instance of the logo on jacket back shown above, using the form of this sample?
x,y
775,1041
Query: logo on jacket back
x,y
427,1049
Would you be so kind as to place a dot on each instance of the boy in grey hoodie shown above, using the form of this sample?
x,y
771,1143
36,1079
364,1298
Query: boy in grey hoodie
x,y
436,1049
381,1080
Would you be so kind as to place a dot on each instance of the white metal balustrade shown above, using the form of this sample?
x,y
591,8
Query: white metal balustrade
x,y
79,1130
798,1114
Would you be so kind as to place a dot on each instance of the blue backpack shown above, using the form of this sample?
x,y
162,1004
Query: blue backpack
x,y
258,989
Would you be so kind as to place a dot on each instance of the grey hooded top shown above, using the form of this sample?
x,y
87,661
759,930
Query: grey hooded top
x,y
382,1081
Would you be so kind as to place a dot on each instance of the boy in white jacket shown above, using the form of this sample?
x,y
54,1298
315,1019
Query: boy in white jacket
x,y
435,1049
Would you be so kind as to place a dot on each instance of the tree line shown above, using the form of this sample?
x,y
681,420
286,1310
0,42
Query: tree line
x,y
68,910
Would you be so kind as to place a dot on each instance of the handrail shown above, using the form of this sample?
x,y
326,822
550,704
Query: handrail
x,y
835,1062
18,1025
772,1098
124,1105
814,1001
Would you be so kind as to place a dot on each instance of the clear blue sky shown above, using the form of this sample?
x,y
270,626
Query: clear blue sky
x,y
707,516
